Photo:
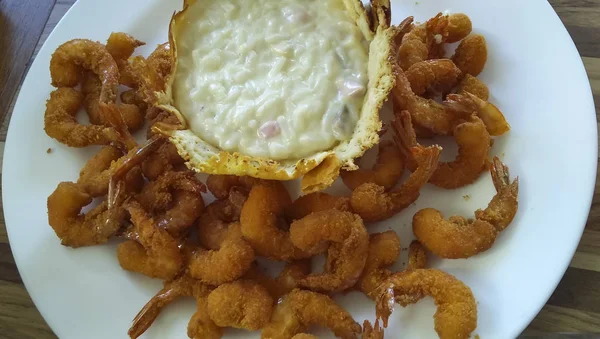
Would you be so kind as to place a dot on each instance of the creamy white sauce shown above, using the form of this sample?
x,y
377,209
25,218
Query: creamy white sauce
x,y
280,79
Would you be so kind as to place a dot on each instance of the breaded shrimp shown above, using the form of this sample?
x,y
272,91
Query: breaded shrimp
x,y
71,57
156,115
458,237
427,114
175,200
384,249
316,202
474,86
433,76
372,332
471,54
285,282
473,146
181,286
388,169
372,203
161,59
220,184
348,236
95,175
241,304
304,336
155,253
456,315
121,46
60,121
492,117
200,325
213,224
228,263
300,309
74,228
91,88
164,159
149,81
259,219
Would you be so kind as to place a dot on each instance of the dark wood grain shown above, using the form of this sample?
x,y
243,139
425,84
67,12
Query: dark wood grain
x,y
21,24
573,307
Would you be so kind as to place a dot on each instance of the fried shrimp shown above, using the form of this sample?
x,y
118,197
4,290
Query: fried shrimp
x,y
372,332
161,60
175,200
473,142
148,80
456,315
121,46
304,336
259,219
95,175
433,76
427,114
492,117
300,309
471,54
316,202
200,325
474,86
413,47
155,253
285,282
219,185
228,263
372,203
241,304
60,121
388,169
425,41
71,57
181,286
91,88
213,224
348,240
74,228
384,249
163,160
458,237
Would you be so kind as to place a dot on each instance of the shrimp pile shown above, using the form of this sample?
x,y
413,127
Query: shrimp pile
x,y
144,196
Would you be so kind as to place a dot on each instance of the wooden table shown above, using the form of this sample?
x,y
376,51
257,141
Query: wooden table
x,y
25,24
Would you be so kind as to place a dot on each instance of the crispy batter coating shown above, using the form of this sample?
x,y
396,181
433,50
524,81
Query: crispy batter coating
x,y
456,315
74,228
349,240
458,237
388,169
155,253
228,263
60,121
316,202
241,304
71,57
471,54
300,309
259,219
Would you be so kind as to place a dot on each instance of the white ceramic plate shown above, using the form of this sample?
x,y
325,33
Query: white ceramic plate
x,y
535,76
